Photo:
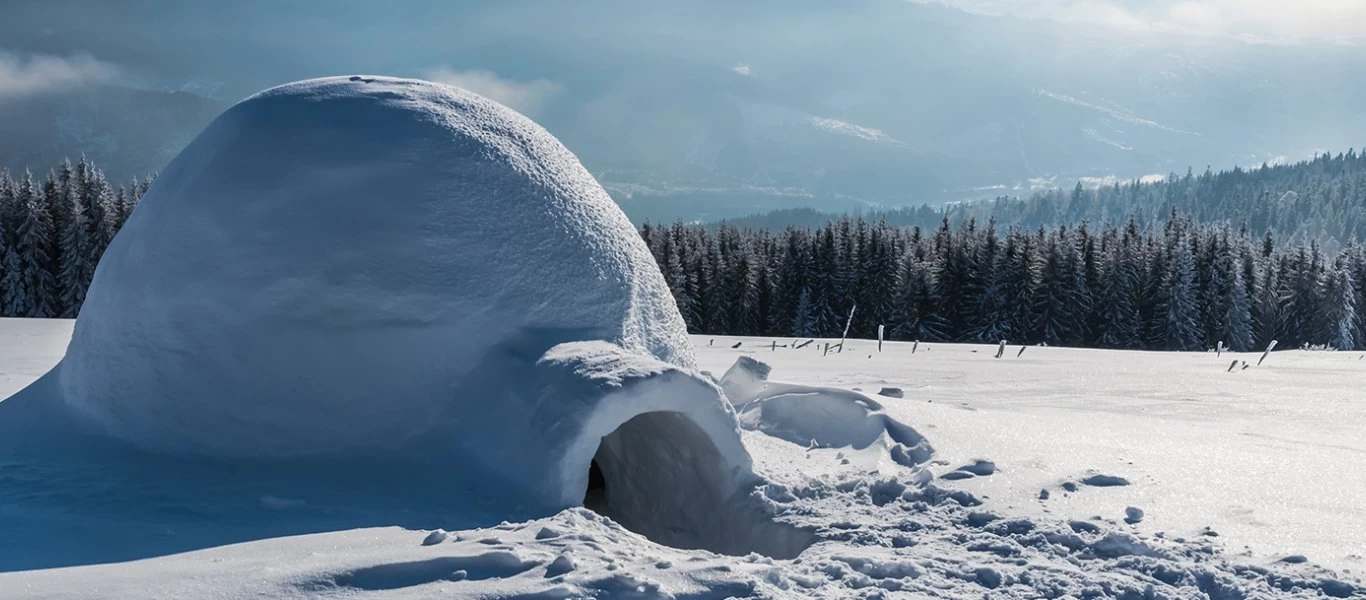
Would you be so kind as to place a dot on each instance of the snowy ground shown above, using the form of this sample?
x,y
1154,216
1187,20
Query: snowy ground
x,y
1271,458
1248,485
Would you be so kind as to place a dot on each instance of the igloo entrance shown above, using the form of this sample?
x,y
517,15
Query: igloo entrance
x,y
660,475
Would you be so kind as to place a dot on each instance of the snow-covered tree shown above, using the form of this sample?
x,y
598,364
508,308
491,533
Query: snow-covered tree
x,y
33,244
77,266
1181,314
1340,317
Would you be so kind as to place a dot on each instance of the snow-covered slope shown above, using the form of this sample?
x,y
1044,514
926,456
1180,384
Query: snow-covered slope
x,y
969,525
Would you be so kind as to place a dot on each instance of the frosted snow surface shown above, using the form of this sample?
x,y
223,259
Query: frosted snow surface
x,y
880,528
339,264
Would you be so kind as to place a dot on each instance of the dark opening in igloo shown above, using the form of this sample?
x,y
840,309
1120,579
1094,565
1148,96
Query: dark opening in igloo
x,y
595,499
660,475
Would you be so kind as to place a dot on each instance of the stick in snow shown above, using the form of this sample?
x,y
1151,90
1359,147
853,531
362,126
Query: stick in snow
x,y
1269,348
827,349
847,323
737,344
1230,367
1021,352
1002,350
879,338
805,344
1219,349
915,346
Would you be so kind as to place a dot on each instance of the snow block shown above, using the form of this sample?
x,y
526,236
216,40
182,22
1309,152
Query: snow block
x,y
745,380
816,416
348,265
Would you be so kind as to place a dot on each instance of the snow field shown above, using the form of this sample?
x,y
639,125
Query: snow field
x,y
969,525
1267,458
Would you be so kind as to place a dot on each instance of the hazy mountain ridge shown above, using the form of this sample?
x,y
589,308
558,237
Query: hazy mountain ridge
x,y
707,110
130,132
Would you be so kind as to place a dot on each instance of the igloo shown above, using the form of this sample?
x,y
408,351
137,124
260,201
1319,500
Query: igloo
x,y
379,267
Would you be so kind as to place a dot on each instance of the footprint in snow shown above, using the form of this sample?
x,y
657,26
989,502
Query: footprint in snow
x,y
1105,481
978,468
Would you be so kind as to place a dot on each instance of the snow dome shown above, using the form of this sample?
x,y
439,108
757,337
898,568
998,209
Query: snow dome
x,y
368,266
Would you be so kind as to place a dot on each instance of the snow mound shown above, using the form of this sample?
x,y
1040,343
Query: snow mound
x,y
818,416
329,264
394,272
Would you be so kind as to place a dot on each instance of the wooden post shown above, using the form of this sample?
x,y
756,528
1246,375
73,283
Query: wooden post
x,y
1269,348
1001,350
879,337
847,323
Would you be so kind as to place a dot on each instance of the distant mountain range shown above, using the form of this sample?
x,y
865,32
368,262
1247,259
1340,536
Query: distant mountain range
x,y
710,109
128,132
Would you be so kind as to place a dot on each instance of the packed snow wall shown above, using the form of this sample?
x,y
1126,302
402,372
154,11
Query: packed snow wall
x,y
327,261
378,267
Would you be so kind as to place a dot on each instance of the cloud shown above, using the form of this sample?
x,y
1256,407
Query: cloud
x,y
1252,20
526,97
20,76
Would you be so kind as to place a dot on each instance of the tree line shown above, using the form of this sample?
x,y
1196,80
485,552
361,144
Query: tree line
x,y
1177,286
1321,199
52,233
1173,283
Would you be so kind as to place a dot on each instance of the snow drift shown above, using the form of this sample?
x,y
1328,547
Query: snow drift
x,y
394,269
818,417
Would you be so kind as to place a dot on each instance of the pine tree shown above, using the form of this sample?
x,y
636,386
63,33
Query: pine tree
x,y
76,248
1060,305
1180,313
96,202
1019,284
13,294
793,270
35,250
1342,324
1119,321
743,289
992,315
917,317
1231,309
821,285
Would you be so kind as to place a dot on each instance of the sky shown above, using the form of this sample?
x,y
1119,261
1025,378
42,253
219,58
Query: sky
x,y
732,106
1273,21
